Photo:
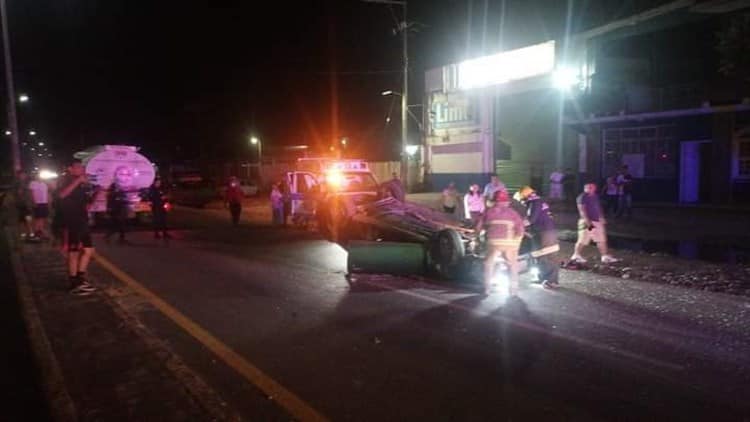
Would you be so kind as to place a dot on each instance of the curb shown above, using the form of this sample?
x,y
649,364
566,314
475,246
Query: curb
x,y
61,405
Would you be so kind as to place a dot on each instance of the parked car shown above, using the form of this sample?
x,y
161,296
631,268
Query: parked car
x,y
192,193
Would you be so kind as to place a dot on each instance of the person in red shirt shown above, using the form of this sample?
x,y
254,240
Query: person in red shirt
x,y
233,199
504,233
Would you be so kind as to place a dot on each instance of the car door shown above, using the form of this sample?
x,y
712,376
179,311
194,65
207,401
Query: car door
x,y
301,187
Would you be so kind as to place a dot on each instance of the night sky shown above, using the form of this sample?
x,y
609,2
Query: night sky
x,y
188,78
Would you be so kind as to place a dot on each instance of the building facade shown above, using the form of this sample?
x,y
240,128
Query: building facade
x,y
642,92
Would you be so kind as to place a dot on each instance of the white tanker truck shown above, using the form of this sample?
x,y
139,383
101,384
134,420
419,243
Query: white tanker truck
x,y
120,164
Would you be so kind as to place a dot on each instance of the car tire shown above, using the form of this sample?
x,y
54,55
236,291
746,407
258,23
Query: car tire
x,y
447,253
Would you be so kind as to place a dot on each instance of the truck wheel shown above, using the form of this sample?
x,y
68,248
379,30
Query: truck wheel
x,y
447,252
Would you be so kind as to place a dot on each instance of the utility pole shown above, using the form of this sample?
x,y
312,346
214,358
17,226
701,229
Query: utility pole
x,y
12,119
405,102
402,26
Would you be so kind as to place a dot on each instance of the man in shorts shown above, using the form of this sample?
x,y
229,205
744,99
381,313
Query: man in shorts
x,y
591,226
74,200
40,211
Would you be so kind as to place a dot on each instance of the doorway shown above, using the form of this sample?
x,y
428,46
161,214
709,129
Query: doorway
x,y
695,171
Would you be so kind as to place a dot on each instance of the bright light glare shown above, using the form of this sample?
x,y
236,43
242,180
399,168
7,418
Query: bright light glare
x,y
335,178
32,132
41,144
412,149
500,279
23,98
507,66
564,78
384,93
254,140
7,132
47,174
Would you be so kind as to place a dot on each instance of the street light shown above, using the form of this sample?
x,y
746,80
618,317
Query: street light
x,y
408,110
23,98
565,78
255,141
32,132
344,141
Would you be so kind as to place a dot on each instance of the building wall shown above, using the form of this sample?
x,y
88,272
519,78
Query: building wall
x,y
526,136
459,140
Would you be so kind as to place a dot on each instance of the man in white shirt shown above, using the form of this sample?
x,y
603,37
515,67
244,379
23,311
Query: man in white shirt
x,y
492,187
40,202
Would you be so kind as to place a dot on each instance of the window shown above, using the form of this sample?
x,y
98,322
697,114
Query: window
x,y
653,148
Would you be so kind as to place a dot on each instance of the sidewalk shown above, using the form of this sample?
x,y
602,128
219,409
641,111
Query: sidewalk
x,y
23,398
101,364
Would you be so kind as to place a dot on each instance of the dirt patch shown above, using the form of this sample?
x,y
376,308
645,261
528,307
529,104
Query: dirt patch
x,y
666,269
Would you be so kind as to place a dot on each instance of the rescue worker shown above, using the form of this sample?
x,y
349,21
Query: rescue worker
x,y
233,200
504,233
544,236
158,200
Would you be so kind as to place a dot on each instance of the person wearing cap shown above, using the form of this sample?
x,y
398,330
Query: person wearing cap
x,y
545,243
591,226
504,233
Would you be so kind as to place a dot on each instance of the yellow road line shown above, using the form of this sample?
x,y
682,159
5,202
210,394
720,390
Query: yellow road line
x,y
288,400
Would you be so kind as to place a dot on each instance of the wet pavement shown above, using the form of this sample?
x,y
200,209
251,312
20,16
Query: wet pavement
x,y
375,347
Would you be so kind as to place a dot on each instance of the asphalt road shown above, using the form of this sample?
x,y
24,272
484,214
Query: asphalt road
x,y
382,347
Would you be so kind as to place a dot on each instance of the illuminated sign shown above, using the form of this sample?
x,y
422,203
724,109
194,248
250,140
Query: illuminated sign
x,y
507,66
454,112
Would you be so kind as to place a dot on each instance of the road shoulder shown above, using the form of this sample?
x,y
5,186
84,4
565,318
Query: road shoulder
x,y
96,361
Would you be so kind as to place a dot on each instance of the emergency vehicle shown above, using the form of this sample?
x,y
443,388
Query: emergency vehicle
x,y
329,189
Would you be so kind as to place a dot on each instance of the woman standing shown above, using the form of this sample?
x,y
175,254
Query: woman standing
x,y
473,204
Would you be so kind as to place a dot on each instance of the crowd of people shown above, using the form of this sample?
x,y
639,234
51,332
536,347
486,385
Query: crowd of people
x,y
505,220
66,201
